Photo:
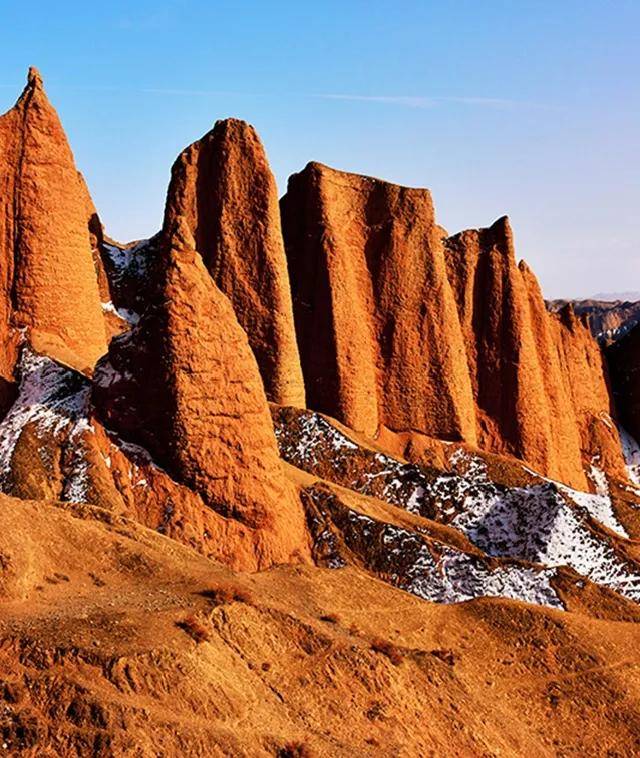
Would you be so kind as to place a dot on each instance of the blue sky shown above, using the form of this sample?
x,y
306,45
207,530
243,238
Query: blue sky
x,y
525,108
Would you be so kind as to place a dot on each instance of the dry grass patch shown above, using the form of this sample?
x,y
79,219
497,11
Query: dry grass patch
x,y
295,750
195,628
393,652
228,593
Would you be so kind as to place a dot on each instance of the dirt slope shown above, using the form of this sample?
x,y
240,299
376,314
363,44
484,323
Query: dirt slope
x,y
100,655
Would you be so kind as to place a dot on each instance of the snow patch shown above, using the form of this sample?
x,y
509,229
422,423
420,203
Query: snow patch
x,y
126,314
439,573
631,452
546,522
52,397
536,524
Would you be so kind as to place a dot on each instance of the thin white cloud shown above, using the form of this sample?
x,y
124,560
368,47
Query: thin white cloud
x,y
405,101
409,101
421,101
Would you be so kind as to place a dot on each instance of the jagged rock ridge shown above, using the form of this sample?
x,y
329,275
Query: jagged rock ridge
x,y
375,287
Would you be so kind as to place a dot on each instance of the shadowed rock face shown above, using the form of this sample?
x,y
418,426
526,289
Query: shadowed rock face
x,y
47,278
522,395
377,325
624,361
223,202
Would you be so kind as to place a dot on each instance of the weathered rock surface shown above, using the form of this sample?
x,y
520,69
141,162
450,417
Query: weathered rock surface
x,y
184,384
48,283
524,362
402,329
223,202
379,337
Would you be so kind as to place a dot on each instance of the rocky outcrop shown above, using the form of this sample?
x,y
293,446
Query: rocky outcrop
x,y
378,332
522,396
623,358
587,376
524,363
48,285
223,202
184,384
400,328
506,375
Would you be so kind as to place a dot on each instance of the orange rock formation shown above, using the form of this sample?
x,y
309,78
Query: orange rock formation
x,y
186,386
383,344
377,326
512,619
223,202
47,279
524,363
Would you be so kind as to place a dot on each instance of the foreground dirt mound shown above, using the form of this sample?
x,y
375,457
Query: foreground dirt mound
x,y
223,202
115,640
48,282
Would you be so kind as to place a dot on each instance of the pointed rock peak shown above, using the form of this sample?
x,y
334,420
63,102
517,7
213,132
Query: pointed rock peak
x,y
233,125
502,224
497,237
531,281
48,281
223,202
528,274
34,86
240,144
186,385
316,166
502,233
34,79
568,316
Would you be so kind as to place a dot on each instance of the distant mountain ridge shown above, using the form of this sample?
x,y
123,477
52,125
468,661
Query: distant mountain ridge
x,y
609,318
612,297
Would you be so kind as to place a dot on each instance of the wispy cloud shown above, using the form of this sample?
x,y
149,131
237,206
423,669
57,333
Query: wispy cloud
x,y
423,101
409,101
403,101
197,92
